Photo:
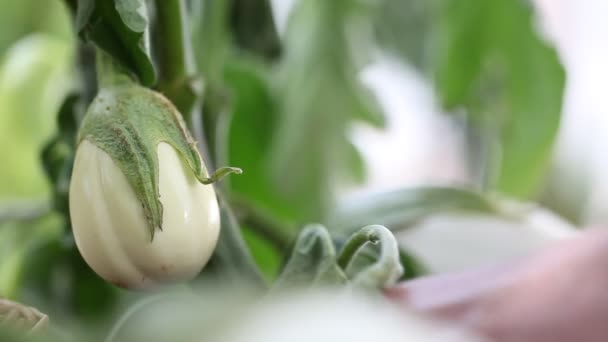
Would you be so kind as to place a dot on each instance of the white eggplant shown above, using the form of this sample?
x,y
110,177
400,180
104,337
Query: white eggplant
x,y
111,230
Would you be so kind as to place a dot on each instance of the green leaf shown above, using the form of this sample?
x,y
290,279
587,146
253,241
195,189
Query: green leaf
x,y
255,33
490,60
459,45
232,260
16,240
55,277
266,255
119,27
312,262
401,208
252,124
319,97
386,268
211,37
34,78
403,27
412,266
21,18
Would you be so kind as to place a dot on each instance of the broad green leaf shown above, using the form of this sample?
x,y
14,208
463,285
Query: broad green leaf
x,y
313,261
491,61
24,17
34,78
119,27
401,208
459,45
253,118
534,91
319,97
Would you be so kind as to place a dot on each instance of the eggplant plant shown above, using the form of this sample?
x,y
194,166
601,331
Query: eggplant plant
x,y
198,155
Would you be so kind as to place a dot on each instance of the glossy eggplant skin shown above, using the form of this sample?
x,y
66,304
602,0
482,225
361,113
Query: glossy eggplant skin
x,y
111,230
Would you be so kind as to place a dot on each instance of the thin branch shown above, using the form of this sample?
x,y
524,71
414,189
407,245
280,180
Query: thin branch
x,y
281,236
23,211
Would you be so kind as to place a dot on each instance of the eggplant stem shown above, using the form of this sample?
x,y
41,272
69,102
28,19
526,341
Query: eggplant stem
x,y
220,173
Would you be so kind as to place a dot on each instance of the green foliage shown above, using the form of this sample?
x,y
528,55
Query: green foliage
x,y
403,27
279,107
119,28
253,121
319,96
403,208
16,240
266,255
313,261
23,17
232,261
384,270
490,60
33,80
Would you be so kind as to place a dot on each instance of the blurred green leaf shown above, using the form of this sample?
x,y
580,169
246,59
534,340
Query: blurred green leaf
x,y
232,260
320,96
211,37
252,123
383,263
412,266
34,78
255,33
490,60
21,18
401,208
403,27
119,27
16,238
313,261
265,254
55,278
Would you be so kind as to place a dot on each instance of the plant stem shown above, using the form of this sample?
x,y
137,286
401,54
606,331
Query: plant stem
x,y
279,236
23,211
175,55
177,74
356,241
176,61
109,72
